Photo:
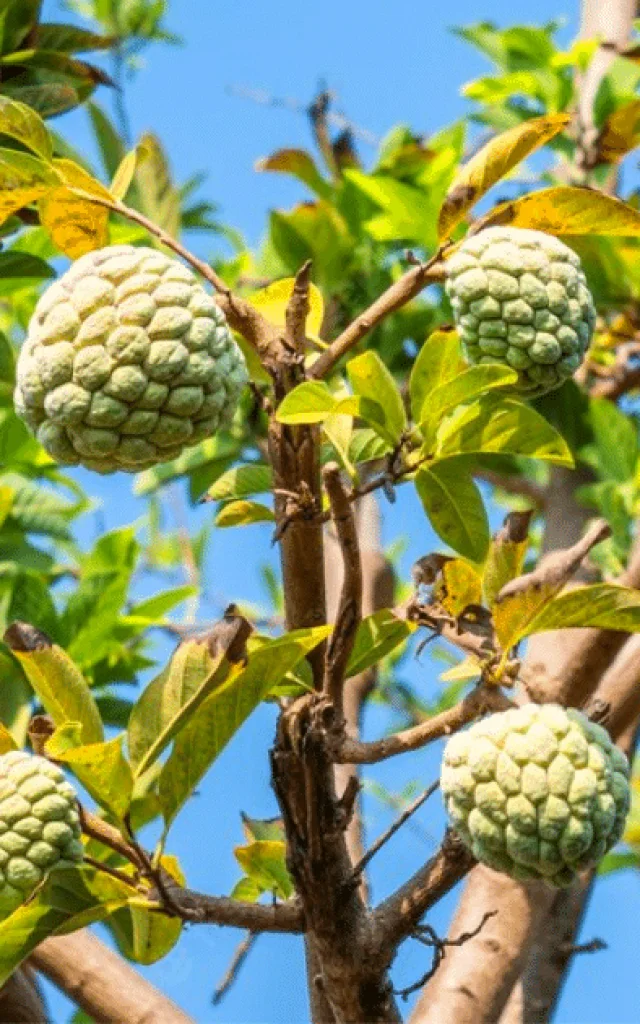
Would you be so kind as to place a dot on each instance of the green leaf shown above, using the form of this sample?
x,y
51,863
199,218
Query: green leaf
x,y
465,387
111,146
309,402
454,506
124,175
265,864
224,711
23,267
22,123
26,597
172,698
366,445
617,440
300,165
505,426
56,681
70,899
243,513
100,767
437,362
242,482
257,829
70,38
615,861
155,608
159,197
601,606
371,379
145,936
377,636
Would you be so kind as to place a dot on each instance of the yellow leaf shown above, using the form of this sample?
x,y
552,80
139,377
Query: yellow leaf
x,y
568,211
7,741
272,302
620,133
23,179
461,586
76,224
465,670
124,174
491,163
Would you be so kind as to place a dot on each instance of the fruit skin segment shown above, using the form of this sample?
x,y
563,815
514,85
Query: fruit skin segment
x,y
520,297
39,825
536,792
127,361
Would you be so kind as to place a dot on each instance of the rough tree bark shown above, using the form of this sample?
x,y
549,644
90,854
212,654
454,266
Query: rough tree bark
x,y
21,1001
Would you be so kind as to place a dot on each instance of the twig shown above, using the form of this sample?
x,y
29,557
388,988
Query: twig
x,y
396,296
393,828
338,120
242,952
298,310
428,937
349,611
99,865
477,703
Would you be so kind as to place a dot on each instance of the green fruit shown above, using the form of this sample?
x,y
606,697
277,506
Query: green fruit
x,y
39,825
536,792
527,290
127,361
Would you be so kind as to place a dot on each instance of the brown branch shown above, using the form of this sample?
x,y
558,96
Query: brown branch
x,y
230,976
428,937
480,701
102,983
349,613
298,309
397,295
414,806
20,999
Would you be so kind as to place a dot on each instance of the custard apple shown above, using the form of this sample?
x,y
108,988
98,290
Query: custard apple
x,y
520,297
39,825
127,361
536,792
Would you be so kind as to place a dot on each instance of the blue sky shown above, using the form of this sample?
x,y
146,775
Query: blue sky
x,y
387,63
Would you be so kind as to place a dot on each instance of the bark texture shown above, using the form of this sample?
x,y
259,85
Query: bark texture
x,y
21,1001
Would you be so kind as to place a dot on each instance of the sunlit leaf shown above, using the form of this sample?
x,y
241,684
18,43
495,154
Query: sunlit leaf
x,y
378,635
23,179
506,554
272,302
243,513
437,362
568,210
300,165
472,383
602,606
264,862
371,379
100,767
76,224
20,122
460,585
242,482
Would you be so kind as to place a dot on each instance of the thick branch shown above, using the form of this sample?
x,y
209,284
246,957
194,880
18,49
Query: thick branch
x,y
102,983
21,1001
349,613
478,702
298,309
399,294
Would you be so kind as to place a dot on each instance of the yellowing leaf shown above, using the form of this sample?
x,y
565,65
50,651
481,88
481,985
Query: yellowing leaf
x,y
264,862
20,122
601,606
300,165
568,210
76,224
494,160
23,179
506,554
100,767
244,513
124,175
7,741
460,585
620,133
465,670
272,302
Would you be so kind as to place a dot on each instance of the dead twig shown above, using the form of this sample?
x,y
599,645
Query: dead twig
x,y
394,827
242,952
428,937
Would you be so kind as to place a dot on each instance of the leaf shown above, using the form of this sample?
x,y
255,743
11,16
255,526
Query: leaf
x,y
492,163
48,99
620,132
298,163
124,174
145,936
70,899
506,554
100,767
459,586
568,210
601,606
23,179
159,197
505,426
466,670
171,698
454,506
614,861
155,608
7,741
264,862
371,379
519,602
272,302
243,513
76,224
23,267
224,711
70,38
438,361
242,482
377,636
309,402
111,147
56,681
270,828
617,439
465,387
20,122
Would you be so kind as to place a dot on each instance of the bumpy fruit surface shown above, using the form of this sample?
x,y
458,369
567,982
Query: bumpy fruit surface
x,y
127,361
536,792
520,297
39,825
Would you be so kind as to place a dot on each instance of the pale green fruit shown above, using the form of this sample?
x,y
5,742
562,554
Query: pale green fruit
x,y
39,825
127,361
536,792
520,297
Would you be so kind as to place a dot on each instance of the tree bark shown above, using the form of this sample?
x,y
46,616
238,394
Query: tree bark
x,y
21,1001
102,983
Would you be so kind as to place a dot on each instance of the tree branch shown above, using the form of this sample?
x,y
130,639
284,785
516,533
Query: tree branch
x,y
414,806
397,295
349,613
21,1001
298,309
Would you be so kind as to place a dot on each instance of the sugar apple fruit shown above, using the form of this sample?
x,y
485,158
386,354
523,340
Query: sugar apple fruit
x,y
536,792
520,297
126,362
39,825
